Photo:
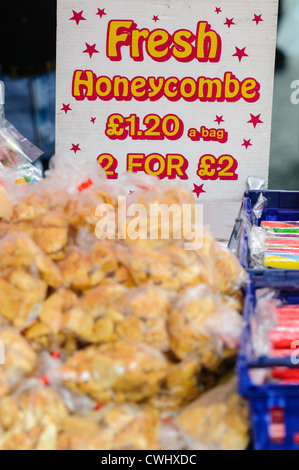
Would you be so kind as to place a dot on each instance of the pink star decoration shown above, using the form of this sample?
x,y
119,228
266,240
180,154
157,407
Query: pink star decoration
x,y
257,19
247,143
229,23
75,148
66,108
77,17
90,50
198,190
255,120
219,120
101,13
240,53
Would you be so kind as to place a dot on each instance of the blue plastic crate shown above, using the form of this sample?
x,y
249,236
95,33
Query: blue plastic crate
x,y
268,397
282,206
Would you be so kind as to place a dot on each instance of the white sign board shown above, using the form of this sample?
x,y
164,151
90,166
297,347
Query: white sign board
x,y
181,89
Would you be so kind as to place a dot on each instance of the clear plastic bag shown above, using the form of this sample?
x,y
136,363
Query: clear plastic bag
x,y
71,175
38,417
115,427
16,157
26,274
19,360
32,418
219,420
232,276
202,323
257,246
259,207
255,234
15,149
262,322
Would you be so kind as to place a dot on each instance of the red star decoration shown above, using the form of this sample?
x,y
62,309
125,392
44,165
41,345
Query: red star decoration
x,y
218,10
257,19
255,120
78,17
229,23
247,143
90,50
131,192
240,53
198,190
66,108
101,13
219,120
93,120
156,18
75,148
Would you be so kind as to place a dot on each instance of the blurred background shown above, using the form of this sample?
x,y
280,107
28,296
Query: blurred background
x,y
284,161
27,67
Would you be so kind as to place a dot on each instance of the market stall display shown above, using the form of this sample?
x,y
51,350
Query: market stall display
x,y
133,331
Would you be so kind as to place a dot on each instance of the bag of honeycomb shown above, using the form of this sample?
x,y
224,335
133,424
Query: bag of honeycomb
x,y
171,267
17,360
32,418
163,212
26,274
230,273
219,420
115,427
46,331
181,386
202,323
119,372
86,268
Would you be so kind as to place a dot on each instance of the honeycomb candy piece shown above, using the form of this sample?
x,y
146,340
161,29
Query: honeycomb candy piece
x,y
46,332
21,297
99,265
181,385
82,270
81,211
146,313
20,360
19,251
96,314
49,232
114,312
116,372
32,207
